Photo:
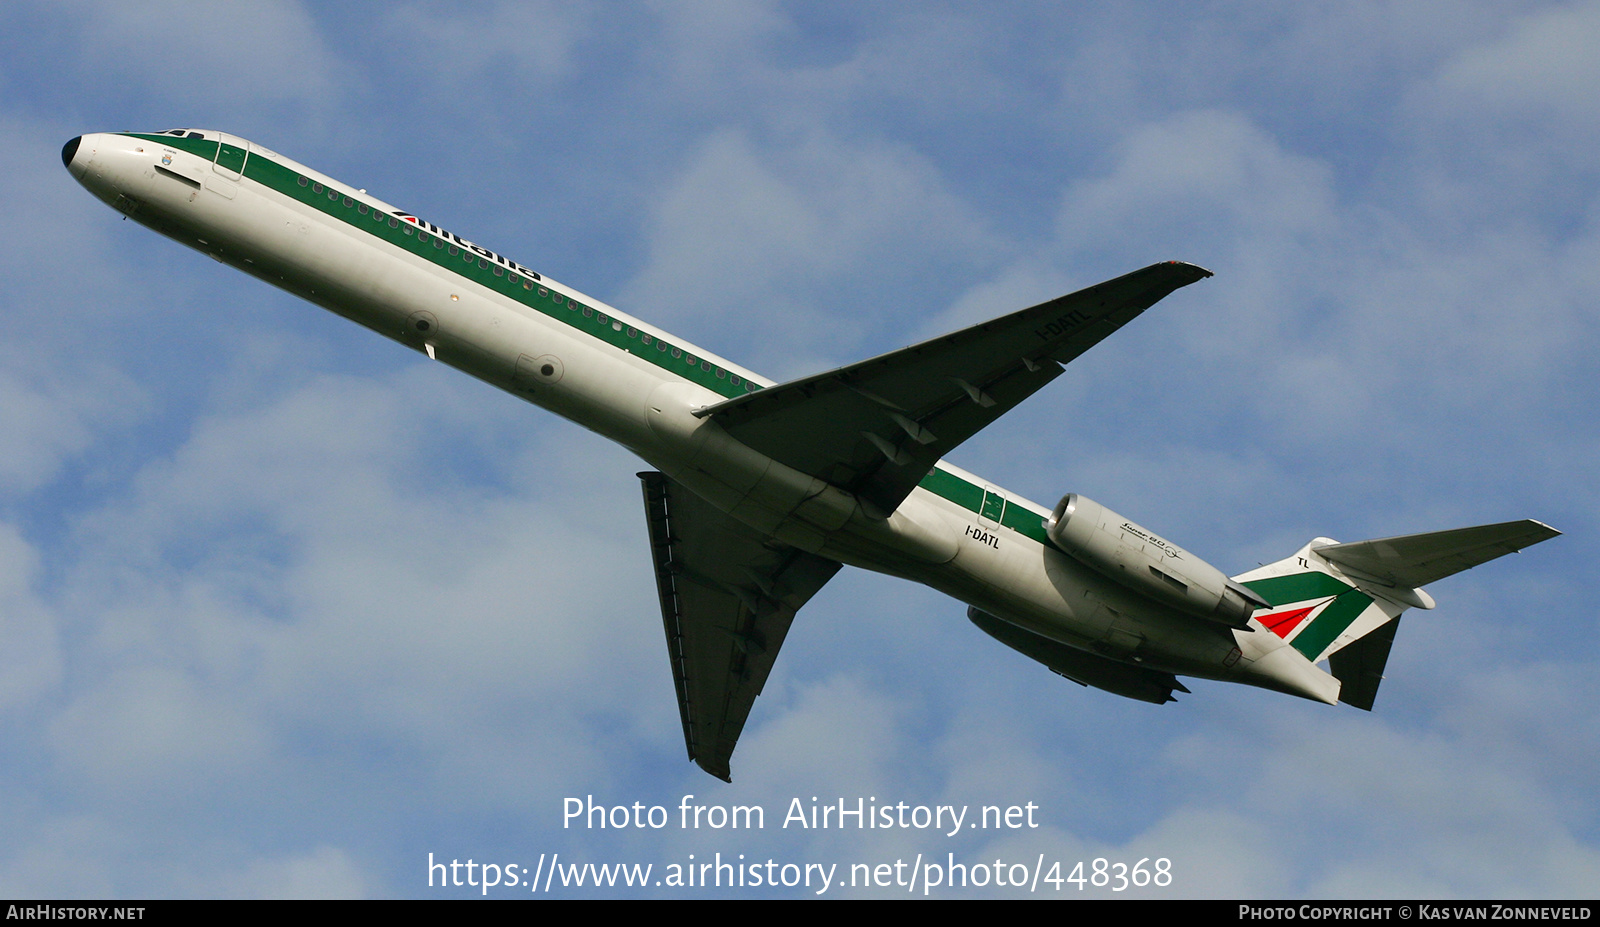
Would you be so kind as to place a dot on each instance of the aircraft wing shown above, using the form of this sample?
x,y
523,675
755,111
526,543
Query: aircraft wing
x,y
727,598
1418,559
875,428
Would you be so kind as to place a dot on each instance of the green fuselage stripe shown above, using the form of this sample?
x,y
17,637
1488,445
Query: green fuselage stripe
x,y
954,488
590,321
969,496
1024,521
469,265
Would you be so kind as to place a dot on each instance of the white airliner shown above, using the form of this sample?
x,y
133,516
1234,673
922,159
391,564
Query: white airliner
x,y
761,490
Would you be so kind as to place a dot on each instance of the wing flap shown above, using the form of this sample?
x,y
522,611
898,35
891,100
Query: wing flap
x,y
727,597
876,427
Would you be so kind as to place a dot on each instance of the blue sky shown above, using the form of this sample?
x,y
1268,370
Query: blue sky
x,y
285,608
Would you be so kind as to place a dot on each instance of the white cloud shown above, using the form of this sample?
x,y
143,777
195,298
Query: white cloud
x,y
1543,68
74,856
30,646
1202,186
156,730
460,47
325,872
771,243
1505,132
210,54
834,736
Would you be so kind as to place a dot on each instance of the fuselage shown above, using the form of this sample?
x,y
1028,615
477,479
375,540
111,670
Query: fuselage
x,y
508,325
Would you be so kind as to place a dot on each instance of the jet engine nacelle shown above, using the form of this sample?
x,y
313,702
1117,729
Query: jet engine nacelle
x,y
1148,564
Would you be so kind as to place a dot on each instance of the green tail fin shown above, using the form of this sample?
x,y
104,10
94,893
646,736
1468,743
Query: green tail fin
x,y
1342,602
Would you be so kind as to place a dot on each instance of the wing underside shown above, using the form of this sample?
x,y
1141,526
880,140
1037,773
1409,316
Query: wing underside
x,y
875,428
728,596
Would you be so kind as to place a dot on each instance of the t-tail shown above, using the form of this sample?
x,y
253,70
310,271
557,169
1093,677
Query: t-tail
x,y
1342,602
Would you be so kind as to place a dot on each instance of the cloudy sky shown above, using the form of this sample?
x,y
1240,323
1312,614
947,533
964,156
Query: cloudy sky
x,y
285,608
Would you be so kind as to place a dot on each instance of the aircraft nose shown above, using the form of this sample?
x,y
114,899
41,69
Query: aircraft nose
x,y
68,150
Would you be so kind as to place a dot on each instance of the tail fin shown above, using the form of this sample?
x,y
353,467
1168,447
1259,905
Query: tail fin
x,y
1342,602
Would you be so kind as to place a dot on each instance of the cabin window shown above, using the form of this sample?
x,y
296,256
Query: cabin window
x,y
543,291
677,352
645,338
362,209
438,242
423,237
393,222
348,202
483,263
333,196
734,379
602,317
721,374
303,181
661,345
632,332
616,326
498,270
706,366
316,188
689,358
454,251
409,228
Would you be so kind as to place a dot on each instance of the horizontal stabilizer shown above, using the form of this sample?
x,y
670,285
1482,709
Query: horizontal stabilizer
x,y
1342,602
1416,560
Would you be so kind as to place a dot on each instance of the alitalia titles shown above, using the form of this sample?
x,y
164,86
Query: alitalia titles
x,y
479,250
